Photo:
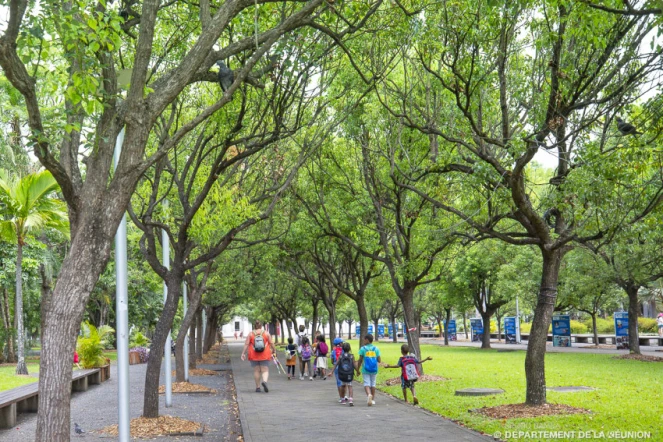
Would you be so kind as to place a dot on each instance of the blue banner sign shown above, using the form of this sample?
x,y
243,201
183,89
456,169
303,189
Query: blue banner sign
x,y
561,329
370,328
391,329
452,330
510,330
621,330
381,330
357,330
477,329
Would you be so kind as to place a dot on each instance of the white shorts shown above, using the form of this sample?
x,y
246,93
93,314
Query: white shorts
x,y
369,379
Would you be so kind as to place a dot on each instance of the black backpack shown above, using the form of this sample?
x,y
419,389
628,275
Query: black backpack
x,y
258,343
346,368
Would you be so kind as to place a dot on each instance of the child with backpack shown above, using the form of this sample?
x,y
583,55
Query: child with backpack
x,y
369,358
291,357
336,353
409,371
306,355
345,367
321,351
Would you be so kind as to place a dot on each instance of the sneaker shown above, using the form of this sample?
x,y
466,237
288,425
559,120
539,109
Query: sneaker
x,y
343,401
325,378
369,400
310,379
372,402
288,377
301,378
257,390
415,401
264,385
350,403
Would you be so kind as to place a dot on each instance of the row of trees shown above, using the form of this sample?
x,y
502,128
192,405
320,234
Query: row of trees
x,y
364,150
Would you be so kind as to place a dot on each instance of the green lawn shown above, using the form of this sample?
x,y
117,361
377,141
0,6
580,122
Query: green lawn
x,y
111,354
627,396
9,380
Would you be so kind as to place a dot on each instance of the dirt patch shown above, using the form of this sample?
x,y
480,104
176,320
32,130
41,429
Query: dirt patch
x,y
642,358
515,411
599,347
160,426
187,387
424,378
200,372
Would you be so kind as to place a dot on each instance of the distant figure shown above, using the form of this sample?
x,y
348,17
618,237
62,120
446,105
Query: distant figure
x,y
261,348
306,354
321,351
659,321
409,372
235,335
291,358
300,338
77,361
314,344
241,334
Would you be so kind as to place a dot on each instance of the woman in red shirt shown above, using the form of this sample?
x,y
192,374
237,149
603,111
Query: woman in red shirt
x,y
259,359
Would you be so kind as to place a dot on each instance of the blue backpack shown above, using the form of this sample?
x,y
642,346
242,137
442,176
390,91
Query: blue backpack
x,y
370,359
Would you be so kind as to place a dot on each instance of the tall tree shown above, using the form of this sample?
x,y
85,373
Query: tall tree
x,y
27,204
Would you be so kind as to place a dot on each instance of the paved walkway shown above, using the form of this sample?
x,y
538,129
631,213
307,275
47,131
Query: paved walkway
x,y
304,411
97,408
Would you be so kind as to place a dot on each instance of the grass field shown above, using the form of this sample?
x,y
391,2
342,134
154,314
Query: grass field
x,y
9,380
627,396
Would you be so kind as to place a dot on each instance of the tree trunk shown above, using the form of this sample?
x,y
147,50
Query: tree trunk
x,y
536,348
350,322
192,342
21,368
499,329
332,321
199,333
394,330
409,314
363,317
594,330
465,325
7,321
633,313
340,328
375,329
315,320
194,302
161,332
210,329
485,341
446,325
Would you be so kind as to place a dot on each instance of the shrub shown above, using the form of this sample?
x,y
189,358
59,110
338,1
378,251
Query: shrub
x,y
91,344
138,340
578,327
603,326
647,325
142,352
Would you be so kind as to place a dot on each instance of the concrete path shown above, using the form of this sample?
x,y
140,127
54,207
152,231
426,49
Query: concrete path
x,y
303,411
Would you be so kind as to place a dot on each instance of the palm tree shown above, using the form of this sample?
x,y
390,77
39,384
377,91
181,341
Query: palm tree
x,y
26,205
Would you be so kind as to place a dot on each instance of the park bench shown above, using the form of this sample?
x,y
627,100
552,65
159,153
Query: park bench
x,y
26,397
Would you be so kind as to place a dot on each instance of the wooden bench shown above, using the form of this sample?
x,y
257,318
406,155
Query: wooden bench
x,y
26,397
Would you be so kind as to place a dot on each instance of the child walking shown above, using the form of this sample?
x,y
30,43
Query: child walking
x,y
321,351
409,371
345,367
336,353
291,358
369,358
306,354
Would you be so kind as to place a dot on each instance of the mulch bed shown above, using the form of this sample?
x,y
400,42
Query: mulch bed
x,y
642,358
200,372
516,411
187,387
162,425
423,378
599,347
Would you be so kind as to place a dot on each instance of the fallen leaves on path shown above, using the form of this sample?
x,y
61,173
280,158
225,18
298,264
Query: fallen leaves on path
x,y
642,358
162,425
514,411
200,372
423,378
186,387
